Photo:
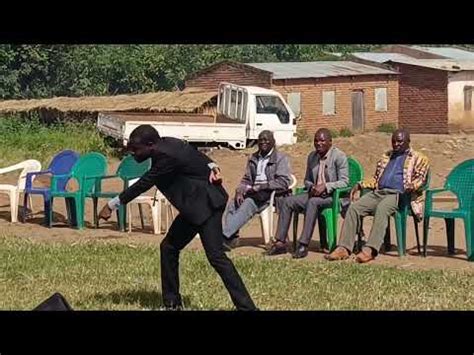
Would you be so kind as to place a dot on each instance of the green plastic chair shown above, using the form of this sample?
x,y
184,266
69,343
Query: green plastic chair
x,y
127,170
331,214
88,167
400,218
460,181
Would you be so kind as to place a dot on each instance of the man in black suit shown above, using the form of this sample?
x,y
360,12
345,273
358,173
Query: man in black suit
x,y
191,182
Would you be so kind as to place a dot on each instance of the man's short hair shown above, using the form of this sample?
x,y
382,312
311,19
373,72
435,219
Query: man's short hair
x,y
404,132
144,134
268,133
326,132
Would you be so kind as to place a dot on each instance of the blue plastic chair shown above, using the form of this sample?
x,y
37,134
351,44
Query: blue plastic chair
x,y
61,164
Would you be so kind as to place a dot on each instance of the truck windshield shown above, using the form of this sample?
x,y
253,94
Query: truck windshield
x,y
273,104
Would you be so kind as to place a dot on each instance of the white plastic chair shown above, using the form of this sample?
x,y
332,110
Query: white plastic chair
x,y
266,216
13,191
155,205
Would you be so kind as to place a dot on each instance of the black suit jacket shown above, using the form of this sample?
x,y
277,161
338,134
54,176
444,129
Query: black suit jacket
x,y
181,173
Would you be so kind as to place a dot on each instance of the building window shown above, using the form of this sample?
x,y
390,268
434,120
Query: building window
x,y
381,100
329,103
294,101
468,98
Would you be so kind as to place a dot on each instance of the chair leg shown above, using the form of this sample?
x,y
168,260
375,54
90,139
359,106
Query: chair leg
x,y
450,234
25,207
79,208
129,217
68,204
360,234
426,227
14,206
155,217
400,228
140,211
469,233
158,215
387,240
264,223
95,202
31,202
417,235
328,229
122,217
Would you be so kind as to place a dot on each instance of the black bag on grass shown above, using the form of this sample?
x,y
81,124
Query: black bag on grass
x,y
56,302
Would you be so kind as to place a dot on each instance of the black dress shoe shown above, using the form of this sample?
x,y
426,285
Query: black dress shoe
x,y
277,249
174,307
301,251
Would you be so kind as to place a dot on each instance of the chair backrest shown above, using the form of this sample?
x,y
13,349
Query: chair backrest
x,y
129,168
90,164
62,164
461,181
29,166
356,172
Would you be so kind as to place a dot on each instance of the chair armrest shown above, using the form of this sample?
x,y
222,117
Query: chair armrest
x,y
30,175
54,181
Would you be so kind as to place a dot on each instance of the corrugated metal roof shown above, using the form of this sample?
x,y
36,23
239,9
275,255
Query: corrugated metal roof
x,y
380,57
441,64
448,52
322,69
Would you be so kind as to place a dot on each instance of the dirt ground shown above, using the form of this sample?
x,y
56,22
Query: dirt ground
x,y
444,152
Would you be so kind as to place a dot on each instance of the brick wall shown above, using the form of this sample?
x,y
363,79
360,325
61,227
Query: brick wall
x,y
423,99
235,74
311,100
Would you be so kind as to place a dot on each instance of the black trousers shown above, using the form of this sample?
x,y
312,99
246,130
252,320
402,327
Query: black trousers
x,y
179,235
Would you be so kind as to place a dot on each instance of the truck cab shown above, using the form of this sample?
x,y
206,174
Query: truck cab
x,y
259,109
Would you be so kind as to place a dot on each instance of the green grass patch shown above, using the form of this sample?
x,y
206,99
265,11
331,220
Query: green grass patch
x,y
24,138
104,276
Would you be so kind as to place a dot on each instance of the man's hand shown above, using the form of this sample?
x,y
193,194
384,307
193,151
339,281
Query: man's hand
x,y
317,190
105,213
215,177
410,187
354,190
239,198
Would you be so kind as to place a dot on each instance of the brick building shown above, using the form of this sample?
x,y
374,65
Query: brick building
x,y
335,95
435,94
436,85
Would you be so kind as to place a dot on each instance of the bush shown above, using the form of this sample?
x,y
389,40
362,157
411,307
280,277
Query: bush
x,y
386,128
345,132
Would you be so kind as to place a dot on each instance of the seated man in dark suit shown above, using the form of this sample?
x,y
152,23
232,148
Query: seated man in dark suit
x,y
182,174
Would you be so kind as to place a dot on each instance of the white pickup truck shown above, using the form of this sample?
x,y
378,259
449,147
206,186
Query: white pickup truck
x,y
242,113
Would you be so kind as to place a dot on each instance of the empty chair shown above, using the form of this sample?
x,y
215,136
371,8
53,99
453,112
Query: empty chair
x,y
61,164
13,191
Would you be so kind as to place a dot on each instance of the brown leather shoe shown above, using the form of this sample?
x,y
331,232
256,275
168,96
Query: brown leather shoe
x,y
365,255
340,253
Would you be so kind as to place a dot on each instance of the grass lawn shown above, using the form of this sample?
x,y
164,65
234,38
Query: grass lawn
x,y
105,276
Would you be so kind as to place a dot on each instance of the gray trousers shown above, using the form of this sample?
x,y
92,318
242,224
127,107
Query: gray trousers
x,y
311,207
236,218
380,203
